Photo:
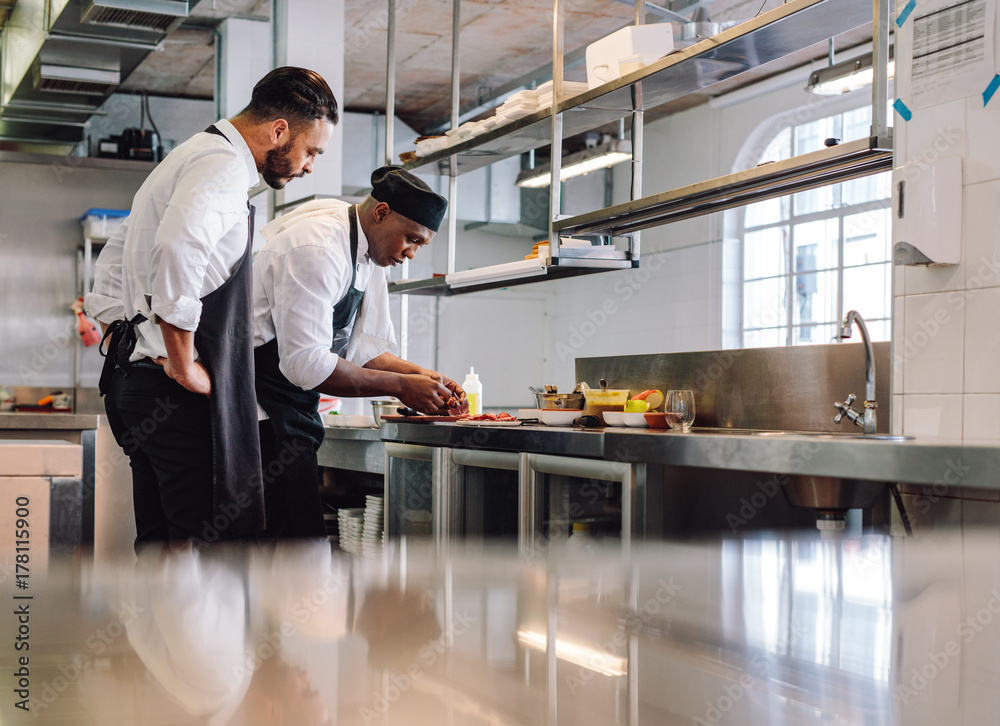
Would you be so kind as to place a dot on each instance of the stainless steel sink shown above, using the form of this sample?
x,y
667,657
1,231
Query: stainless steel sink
x,y
832,493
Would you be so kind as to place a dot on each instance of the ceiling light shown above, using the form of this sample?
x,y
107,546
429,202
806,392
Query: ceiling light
x,y
845,77
582,162
599,661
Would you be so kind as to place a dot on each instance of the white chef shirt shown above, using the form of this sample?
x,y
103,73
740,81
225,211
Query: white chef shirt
x,y
183,238
302,272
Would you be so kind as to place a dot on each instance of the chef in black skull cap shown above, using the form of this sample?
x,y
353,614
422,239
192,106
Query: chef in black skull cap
x,y
321,325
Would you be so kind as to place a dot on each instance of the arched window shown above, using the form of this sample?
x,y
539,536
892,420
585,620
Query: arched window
x,y
810,257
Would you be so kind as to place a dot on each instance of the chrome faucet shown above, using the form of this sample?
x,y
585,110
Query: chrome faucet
x,y
867,420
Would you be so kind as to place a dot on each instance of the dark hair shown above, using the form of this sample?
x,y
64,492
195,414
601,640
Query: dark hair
x,y
295,94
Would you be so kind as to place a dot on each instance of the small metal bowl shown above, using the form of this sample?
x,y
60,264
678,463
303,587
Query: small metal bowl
x,y
384,407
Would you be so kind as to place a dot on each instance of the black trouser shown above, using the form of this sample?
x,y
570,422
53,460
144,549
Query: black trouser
x,y
291,486
166,432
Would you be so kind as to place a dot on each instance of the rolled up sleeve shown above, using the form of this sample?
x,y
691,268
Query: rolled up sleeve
x,y
304,281
202,208
105,301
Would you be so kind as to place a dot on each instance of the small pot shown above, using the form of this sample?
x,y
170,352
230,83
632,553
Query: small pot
x,y
560,400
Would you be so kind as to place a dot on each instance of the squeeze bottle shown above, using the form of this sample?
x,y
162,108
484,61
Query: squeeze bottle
x,y
473,392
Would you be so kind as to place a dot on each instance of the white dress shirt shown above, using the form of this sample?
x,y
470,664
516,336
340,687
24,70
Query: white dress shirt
x,y
302,272
183,238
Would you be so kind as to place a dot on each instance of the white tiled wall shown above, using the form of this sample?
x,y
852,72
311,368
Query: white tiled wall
x,y
946,329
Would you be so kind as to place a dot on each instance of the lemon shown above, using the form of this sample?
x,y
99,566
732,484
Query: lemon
x,y
636,406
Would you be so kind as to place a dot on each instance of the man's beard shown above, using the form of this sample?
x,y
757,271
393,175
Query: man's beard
x,y
278,166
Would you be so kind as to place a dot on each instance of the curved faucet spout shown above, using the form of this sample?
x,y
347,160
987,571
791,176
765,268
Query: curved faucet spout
x,y
854,317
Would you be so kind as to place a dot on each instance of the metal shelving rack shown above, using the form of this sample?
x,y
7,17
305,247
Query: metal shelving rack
x,y
793,26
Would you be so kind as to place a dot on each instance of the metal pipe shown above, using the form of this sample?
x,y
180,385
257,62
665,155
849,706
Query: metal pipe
x,y
555,164
527,501
445,506
456,69
390,83
486,459
404,314
408,451
880,80
584,468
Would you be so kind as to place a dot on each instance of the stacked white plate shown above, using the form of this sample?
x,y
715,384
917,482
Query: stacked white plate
x,y
570,88
371,534
351,523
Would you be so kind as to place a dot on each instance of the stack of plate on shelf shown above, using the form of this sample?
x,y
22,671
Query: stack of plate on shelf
x,y
350,523
570,88
517,105
371,537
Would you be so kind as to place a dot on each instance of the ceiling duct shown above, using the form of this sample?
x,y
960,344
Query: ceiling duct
x,y
154,15
74,79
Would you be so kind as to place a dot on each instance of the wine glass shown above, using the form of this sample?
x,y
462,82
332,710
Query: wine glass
x,y
679,409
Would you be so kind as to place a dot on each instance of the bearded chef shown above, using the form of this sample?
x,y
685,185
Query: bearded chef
x,y
321,325
173,290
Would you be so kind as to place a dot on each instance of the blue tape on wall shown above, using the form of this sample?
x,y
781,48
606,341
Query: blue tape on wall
x,y
902,110
905,13
991,89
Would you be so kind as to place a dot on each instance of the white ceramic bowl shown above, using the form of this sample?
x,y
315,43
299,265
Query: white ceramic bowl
x,y
614,418
635,420
558,417
523,413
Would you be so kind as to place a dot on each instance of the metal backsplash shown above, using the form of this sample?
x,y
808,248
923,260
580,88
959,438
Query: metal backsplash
x,y
789,388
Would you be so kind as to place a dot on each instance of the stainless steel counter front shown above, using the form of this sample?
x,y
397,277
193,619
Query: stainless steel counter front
x,y
558,441
912,462
354,449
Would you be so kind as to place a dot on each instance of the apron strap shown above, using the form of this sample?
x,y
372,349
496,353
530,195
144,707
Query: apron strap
x,y
121,339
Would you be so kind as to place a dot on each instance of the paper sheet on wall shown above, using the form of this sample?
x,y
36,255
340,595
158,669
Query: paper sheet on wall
x,y
953,50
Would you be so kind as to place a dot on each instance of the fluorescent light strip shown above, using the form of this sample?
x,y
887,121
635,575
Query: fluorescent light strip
x,y
581,167
851,82
581,655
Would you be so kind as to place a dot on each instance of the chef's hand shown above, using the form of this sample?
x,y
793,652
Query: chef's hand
x,y
456,390
195,377
423,393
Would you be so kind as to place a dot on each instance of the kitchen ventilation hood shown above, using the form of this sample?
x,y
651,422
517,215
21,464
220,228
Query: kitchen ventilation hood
x,y
63,58
154,15
74,79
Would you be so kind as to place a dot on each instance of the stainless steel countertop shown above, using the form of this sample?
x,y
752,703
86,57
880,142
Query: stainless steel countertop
x,y
62,421
914,461
539,439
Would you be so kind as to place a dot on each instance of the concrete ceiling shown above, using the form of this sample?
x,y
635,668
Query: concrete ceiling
x,y
502,42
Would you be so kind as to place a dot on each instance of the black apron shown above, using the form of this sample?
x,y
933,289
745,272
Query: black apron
x,y
294,416
224,341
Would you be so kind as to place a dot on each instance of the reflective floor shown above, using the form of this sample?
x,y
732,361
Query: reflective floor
x,y
772,629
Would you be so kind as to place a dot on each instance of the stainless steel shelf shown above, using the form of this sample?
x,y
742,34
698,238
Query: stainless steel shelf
x,y
567,267
819,168
770,36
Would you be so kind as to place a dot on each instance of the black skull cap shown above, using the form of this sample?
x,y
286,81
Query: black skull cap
x,y
408,195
